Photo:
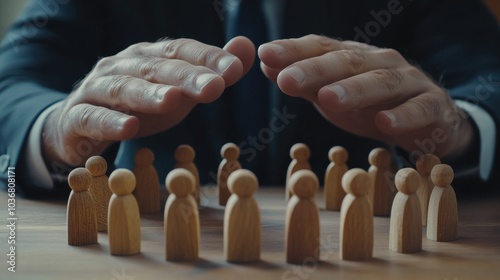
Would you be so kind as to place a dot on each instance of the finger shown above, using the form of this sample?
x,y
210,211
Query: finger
x,y
271,73
244,49
197,82
134,94
374,88
281,53
220,61
100,123
312,74
416,113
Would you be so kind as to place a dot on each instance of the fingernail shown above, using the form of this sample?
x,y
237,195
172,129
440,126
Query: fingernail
x,y
391,116
121,122
224,63
297,74
276,48
202,80
338,90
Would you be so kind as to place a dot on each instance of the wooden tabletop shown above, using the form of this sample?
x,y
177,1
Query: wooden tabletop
x,y
42,251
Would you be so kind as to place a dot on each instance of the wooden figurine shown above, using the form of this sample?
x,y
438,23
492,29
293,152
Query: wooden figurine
x,y
242,228
356,217
424,166
147,191
99,189
184,157
230,153
405,234
382,190
333,191
299,153
80,216
124,221
302,230
181,220
442,217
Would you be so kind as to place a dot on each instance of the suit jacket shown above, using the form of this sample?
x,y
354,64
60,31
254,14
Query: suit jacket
x,y
53,44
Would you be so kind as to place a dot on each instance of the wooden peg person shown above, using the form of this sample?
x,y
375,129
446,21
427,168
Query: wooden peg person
x,y
147,190
99,189
299,153
124,221
333,191
382,190
80,216
181,220
230,153
356,217
405,234
424,166
442,217
302,230
242,228
184,157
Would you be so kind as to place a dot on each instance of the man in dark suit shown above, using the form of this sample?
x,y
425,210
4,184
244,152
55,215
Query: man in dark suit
x,y
393,86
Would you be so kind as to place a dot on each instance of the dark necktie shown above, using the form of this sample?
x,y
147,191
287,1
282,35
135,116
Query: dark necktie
x,y
251,100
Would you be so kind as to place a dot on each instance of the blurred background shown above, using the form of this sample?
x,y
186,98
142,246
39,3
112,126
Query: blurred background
x,y
10,8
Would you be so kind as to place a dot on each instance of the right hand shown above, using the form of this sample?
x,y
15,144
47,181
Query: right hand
x,y
143,90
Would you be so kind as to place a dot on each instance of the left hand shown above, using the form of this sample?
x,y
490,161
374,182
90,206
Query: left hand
x,y
369,91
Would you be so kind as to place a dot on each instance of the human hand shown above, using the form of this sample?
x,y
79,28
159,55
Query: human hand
x,y
145,89
368,91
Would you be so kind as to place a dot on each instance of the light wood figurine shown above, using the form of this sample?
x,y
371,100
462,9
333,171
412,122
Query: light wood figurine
x,y
80,216
242,227
382,190
230,153
442,217
356,217
424,166
302,229
147,190
405,234
184,157
99,189
181,220
333,191
299,153
124,221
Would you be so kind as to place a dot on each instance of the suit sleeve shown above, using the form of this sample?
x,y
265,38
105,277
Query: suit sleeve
x,y
458,44
51,46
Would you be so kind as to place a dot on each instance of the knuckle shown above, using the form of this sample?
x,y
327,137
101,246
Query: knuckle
x,y
116,86
106,64
182,74
353,59
390,79
322,41
173,48
149,68
86,114
429,107
393,55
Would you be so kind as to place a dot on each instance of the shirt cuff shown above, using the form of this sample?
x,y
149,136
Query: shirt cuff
x,y
487,136
34,167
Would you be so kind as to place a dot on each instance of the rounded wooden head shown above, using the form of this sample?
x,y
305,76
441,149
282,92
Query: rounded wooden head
x,y
180,182
442,175
79,179
243,183
300,152
407,180
144,157
304,183
380,157
122,181
184,154
338,154
97,166
356,182
425,163
230,151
